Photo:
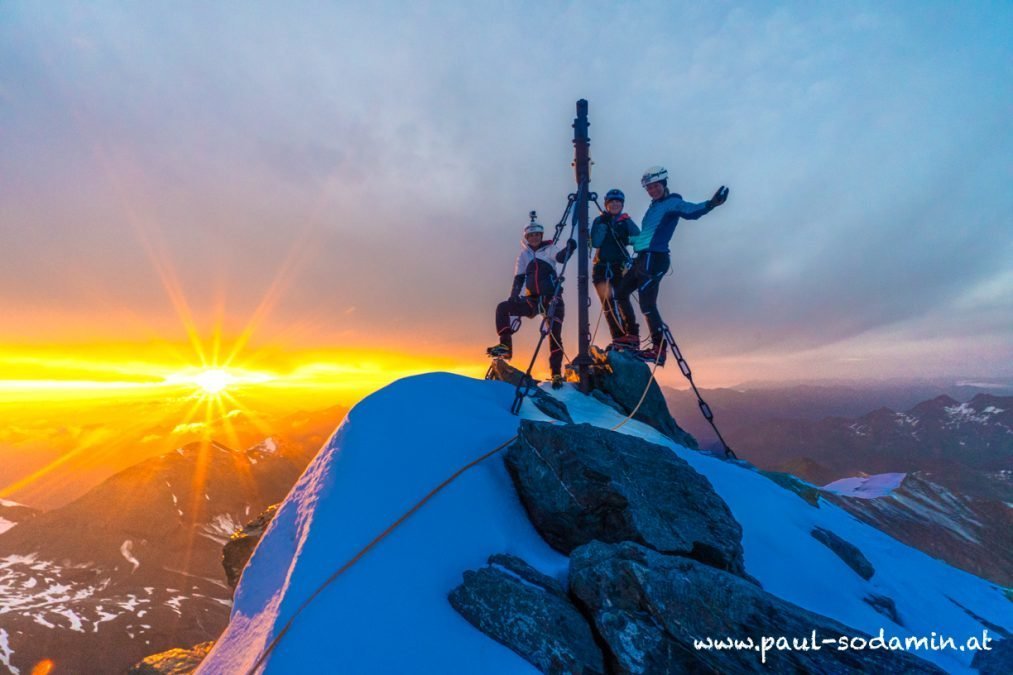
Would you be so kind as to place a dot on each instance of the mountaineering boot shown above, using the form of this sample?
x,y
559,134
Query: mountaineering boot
x,y
500,351
654,354
557,381
625,343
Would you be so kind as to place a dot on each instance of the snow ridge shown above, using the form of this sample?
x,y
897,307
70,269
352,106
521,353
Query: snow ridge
x,y
389,613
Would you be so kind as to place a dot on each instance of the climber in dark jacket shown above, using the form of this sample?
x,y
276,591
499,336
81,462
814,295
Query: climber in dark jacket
x,y
610,237
652,254
534,285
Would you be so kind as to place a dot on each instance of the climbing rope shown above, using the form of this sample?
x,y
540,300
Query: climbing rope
x,y
457,474
368,547
643,396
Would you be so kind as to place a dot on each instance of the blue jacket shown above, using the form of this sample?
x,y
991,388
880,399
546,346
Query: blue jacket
x,y
659,222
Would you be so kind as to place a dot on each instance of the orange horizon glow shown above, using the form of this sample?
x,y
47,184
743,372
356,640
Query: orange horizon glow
x,y
111,371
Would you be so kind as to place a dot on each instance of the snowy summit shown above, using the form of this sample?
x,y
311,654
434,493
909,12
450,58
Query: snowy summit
x,y
389,612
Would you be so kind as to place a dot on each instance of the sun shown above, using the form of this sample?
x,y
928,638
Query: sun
x,y
213,381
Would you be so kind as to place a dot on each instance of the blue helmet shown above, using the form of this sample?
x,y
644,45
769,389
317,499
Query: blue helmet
x,y
615,194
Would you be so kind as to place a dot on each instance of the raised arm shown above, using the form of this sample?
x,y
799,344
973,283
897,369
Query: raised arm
x,y
566,251
691,211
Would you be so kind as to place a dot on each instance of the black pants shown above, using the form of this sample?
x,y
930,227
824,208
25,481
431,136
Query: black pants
x,y
528,307
606,278
645,278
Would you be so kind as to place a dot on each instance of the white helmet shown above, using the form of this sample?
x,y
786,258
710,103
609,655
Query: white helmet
x,y
655,174
533,228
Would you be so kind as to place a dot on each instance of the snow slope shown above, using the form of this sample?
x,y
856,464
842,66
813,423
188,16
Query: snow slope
x,y
389,613
866,487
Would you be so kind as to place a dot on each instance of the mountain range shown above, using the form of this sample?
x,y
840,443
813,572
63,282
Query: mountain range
x,y
133,566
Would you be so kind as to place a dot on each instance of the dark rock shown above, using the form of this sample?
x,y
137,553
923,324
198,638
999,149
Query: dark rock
x,y
554,408
581,483
237,551
624,378
602,397
527,611
810,493
173,662
648,609
526,572
998,660
885,606
846,551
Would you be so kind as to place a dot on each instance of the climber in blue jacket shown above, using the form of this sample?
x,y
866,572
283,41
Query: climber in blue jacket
x,y
652,254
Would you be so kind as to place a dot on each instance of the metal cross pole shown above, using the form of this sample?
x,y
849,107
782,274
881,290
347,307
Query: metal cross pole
x,y
582,168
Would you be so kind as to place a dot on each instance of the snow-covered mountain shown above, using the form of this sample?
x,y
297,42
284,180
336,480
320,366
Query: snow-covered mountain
x,y
12,513
389,612
940,435
134,565
973,534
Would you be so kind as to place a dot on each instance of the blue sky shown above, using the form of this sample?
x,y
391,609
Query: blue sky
x,y
374,164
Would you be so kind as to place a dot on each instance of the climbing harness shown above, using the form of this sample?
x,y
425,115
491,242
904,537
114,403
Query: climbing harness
x,y
527,386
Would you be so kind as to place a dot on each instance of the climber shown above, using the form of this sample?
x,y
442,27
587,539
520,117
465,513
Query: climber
x,y
652,258
610,236
535,275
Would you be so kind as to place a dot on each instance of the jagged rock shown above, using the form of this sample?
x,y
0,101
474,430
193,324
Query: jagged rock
x,y
581,483
846,551
554,408
526,572
238,549
808,492
602,397
527,611
885,606
996,661
173,662
648,609
624,378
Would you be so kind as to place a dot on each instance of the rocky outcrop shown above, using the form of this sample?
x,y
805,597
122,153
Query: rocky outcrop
x,y
554,408
528,612
173,661
624,378
885,606
581,483
846,551
238,549
808,492
649,609
996,661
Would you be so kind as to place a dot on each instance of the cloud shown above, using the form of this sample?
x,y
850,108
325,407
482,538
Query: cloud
x,y
866,148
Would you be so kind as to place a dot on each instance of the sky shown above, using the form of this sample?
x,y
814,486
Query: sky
x,y
314,183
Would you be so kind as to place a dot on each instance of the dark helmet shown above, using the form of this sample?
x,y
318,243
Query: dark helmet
x,y
615,194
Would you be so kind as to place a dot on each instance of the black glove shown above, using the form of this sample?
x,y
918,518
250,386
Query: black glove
x,y
719,197
571,245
